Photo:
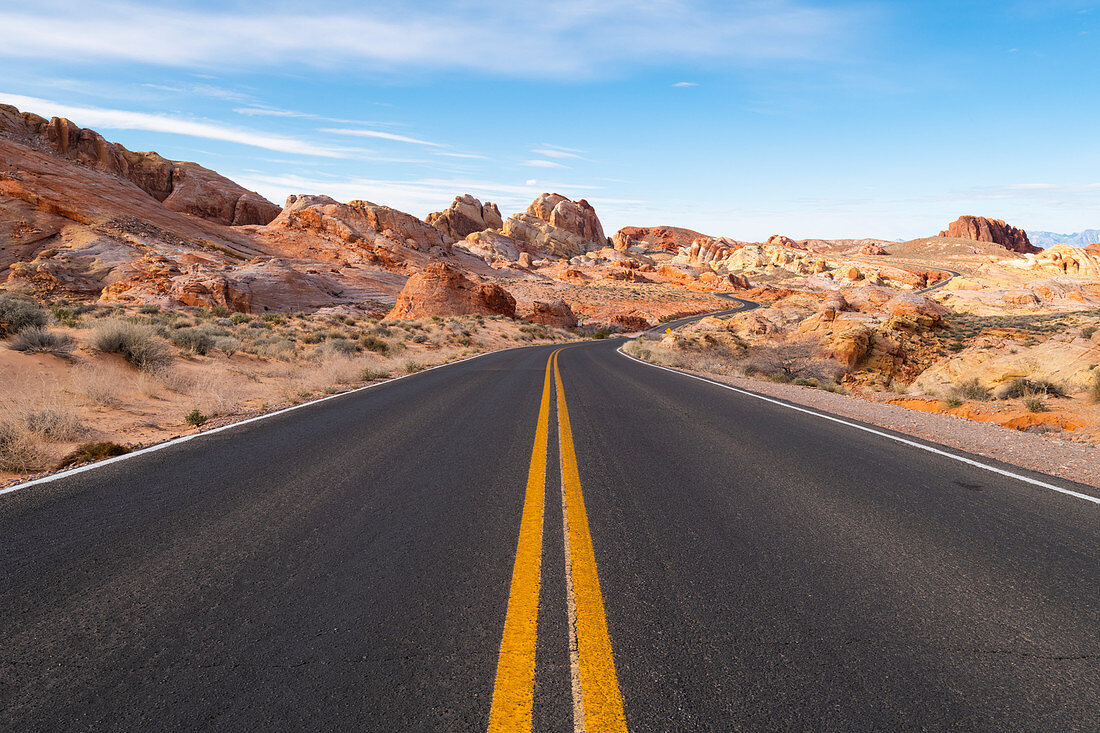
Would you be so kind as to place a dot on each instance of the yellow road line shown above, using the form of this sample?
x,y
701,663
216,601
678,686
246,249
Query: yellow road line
x,y
514,690
597,704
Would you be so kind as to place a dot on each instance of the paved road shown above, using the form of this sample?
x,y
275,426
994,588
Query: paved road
x,y
730,564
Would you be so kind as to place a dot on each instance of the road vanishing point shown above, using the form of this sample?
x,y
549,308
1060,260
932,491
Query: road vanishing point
x,y
550,539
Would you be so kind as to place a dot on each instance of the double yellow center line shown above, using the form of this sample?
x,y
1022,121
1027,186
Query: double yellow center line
x,y
597,701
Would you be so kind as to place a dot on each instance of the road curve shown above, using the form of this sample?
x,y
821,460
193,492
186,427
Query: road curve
x,y
351,565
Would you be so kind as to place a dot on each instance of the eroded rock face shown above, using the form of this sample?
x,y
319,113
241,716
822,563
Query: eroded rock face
x,y
1065,260
669,239
184,187
465,216
441,290
981,229
873,249
556,225
359,222
556,313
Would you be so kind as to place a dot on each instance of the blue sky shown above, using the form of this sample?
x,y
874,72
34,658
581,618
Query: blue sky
x,y
822,119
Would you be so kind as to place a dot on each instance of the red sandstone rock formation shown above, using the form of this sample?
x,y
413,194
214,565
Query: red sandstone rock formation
x,y
185,187
440,290
465,216
981,229
872,249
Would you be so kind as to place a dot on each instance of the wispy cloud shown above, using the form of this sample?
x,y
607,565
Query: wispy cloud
x,y
381,136
554,153
544,164
501,39
117,119
686,84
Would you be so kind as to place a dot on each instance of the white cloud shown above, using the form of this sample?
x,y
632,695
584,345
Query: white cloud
x,y
499,38
685,84
381,136
544,164
554,153
117,119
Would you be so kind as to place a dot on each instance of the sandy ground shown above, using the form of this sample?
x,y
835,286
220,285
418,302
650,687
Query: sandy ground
x,y
56,404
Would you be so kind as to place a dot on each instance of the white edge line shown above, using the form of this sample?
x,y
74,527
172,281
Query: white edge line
x,y
257,418
857,426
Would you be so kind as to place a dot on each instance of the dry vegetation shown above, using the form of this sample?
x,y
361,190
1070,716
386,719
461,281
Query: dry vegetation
x,y
81,382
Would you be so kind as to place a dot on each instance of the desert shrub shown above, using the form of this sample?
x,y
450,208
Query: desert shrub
x,y
101,386
953,402
1030,388
39,340
369,375
17,314
1088,331
64,316
313,338
193,340
260,325
371,342
219,311
54,423
1034,404
239,318
277,319
276,349
412,367
1094,389
602,333
419,338
141,345
18,451
971,389
341,345
227,345
195,418
89,452
149,309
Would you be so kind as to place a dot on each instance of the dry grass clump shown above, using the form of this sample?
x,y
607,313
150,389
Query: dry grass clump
x,y
17,314
140,344
19,451
55,422
1030,388
101,384
215,395
39,340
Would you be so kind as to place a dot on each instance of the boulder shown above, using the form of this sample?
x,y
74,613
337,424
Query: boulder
x,y
556,313
465,216
873,249
981,229
441,290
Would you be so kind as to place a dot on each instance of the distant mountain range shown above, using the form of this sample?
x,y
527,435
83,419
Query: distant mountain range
x,y
1079,239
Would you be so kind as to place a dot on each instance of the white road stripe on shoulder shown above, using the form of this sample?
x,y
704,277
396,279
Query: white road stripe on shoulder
x,y
184,438
857,426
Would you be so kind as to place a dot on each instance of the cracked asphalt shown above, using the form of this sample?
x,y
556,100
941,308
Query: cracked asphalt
x,y
346,567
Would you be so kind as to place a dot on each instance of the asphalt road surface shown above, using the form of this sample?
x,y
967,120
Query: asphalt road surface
x,y
516,543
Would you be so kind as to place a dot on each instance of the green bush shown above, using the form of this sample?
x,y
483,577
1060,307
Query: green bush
x,y
195,418
341,345
602,333
239,318
38,340
1029,388
1034,404
373,343
277,319
141,345
89,452
194,340
64,316
971,389
17,314
1088,331
219,311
